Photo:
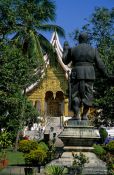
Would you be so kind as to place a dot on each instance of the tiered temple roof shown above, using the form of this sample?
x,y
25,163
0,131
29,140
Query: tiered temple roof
x,y
56,44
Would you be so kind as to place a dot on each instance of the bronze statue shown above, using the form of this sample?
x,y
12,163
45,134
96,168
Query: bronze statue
x,y
83,57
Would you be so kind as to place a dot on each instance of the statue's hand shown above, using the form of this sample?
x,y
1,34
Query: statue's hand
x,y
66,46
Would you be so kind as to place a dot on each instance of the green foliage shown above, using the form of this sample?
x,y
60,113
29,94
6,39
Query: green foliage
x,y
43,146
7,17
105,102
15,76
5,140
36,157
79,160
55,170
35,153
26,146
110,146
29,19
103,134
99,150
110,163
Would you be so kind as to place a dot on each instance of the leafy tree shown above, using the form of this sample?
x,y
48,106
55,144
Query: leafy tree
x,y
7,18
5,140
14,106
100,27
28,19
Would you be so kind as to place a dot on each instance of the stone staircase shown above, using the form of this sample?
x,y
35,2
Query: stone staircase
x,y
54,122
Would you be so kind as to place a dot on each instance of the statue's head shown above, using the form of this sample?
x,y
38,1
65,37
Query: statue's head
x,y
83,37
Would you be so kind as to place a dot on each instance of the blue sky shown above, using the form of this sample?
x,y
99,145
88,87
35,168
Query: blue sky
x,y
71,13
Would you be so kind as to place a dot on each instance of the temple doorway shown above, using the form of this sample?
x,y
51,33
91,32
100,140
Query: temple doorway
x,y
54,105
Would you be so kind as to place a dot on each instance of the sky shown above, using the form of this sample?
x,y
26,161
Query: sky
x,y
71,14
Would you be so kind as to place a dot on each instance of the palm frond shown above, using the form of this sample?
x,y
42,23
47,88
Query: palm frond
x,y
49,49
34,48
45,11
45,44
51,27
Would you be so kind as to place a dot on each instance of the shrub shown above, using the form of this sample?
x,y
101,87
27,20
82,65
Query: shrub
x,y
79,160
43,146
26,146
55,170
110,146
36,157
99,150
103,134
5,140
110,163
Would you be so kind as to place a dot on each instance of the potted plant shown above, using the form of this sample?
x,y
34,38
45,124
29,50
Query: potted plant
x,y
78,162
35,154
36,158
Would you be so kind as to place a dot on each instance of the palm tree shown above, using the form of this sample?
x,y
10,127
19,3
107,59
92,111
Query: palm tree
x,y
33,16
55,170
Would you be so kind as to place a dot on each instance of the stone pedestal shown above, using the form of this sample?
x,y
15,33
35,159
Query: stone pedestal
x,y
79,136
79,133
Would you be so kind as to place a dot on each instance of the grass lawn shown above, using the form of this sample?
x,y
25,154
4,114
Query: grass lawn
x,y
15,158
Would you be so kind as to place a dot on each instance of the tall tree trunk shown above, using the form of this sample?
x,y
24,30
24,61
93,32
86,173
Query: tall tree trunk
x,y
17,140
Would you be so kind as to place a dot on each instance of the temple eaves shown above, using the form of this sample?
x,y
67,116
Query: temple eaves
x,y
56,44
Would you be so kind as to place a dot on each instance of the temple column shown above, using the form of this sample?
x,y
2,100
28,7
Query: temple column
x,y
43,104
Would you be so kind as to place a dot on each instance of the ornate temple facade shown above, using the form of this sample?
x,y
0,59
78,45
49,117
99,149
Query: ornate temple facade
x,y
48,96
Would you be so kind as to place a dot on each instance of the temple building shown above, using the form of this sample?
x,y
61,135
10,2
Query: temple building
x,y
48,96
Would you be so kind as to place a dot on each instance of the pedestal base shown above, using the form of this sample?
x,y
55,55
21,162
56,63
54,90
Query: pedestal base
x,y
94,167
79,136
